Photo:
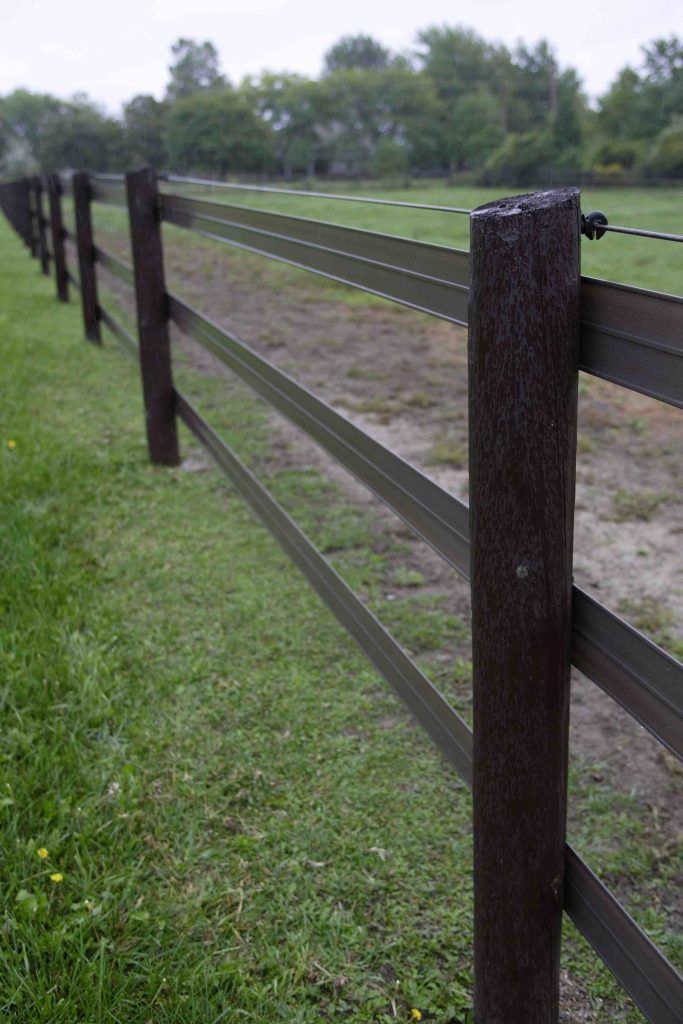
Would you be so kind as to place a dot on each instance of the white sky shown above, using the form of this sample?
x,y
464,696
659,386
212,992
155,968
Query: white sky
x,y
115,49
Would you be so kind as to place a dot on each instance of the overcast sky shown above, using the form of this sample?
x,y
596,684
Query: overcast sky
x,y
116,49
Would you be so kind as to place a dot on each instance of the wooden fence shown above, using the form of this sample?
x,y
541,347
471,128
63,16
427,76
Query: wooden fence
x,y
533,323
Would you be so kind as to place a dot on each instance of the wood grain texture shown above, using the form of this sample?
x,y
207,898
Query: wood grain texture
x,y
152,315
54,192
86,257
41,225
523,358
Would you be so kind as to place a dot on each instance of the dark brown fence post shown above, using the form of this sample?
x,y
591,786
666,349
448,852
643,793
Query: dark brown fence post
x,y
41,224
152,311
32,217
25,215
523,357
54,191
86,256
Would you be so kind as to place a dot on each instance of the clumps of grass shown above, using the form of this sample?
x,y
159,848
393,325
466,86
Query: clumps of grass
x,y
652,615
385,408
421,624
447,451
584,445
358,373
419,400
404,577
642,505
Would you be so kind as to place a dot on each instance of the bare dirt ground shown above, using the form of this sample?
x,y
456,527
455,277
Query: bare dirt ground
x,y
402,377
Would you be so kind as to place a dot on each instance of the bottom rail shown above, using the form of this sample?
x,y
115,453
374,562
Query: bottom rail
x,y
128,342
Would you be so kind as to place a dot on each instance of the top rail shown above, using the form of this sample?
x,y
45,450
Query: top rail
x,y
307,193
112,192
663,236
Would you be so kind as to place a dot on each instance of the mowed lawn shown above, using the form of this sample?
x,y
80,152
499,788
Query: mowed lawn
x,y
212,808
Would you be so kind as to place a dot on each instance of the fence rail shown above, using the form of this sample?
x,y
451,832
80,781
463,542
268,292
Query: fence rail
x,y
626,335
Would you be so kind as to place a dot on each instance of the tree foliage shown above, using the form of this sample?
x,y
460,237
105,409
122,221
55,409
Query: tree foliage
x,y
144,124
459,104
218,132
356,53
194,69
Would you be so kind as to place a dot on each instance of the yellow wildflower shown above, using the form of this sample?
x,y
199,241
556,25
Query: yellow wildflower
x,y
415,1014
42,853
56,877
11,444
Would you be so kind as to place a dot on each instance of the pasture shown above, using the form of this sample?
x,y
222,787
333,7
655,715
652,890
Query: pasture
x,y
234,842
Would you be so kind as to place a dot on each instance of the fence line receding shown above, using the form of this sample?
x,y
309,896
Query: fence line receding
x,y
530,332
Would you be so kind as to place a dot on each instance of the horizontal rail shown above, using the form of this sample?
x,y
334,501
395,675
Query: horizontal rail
x,y
308,194
109,192
429,278
628,666
633,337
663,236
74,280
630,336
128,342
641,969
115,266
650,979
637,673
441,721
437,516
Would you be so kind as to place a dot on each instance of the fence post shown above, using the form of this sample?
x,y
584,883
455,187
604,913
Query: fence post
x,y
41,224
32,217
54,191
152,313
86,256
24,212
523,359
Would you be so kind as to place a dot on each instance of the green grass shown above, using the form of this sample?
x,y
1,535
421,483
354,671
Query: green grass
x,y
247,825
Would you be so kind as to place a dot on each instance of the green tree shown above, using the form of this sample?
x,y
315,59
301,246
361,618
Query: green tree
x,y
218,132
639,105
24,115
194,69
456,59
389,160
356,53
621,110
79,136
472,79
534,86
667,153
144,124
525,158
296,109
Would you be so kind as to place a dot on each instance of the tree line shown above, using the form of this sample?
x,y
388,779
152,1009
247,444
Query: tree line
x,y
457,105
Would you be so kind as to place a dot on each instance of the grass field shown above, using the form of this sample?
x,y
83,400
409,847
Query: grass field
x,y
240,821
640,261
